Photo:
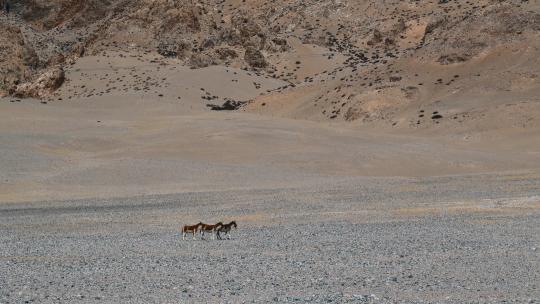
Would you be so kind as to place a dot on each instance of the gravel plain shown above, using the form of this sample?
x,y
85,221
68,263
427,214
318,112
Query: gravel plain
x,y
457,239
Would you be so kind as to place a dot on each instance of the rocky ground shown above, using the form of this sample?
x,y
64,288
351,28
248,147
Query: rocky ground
x,y
461,239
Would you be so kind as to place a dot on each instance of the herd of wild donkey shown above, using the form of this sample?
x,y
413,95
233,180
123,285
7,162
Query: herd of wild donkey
x,y
216,229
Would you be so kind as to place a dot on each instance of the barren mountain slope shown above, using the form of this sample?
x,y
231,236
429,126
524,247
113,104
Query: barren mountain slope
x,y
392,64
421,66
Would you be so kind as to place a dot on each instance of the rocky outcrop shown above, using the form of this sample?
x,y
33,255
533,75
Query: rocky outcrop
x,y
255,58
43,86
460,40
167,49
18,59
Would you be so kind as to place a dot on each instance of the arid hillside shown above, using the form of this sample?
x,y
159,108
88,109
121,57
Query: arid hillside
x,y
390,64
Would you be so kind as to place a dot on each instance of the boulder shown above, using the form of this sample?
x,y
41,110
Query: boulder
x,y
173,48
228,105
166,49
201,60
43,86
395,78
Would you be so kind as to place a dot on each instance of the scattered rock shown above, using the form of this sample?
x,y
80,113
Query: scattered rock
x,y
228,105
201,60
452,58
376,38
410,91
395,78
226,53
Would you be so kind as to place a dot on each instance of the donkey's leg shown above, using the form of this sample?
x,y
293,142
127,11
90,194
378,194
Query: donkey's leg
x,y
183,235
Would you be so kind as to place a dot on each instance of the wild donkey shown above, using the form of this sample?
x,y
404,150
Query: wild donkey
x,y
226,228
211,229
190,229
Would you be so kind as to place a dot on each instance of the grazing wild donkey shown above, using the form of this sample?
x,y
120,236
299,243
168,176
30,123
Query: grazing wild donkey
x,y
190,229
226,228
211,229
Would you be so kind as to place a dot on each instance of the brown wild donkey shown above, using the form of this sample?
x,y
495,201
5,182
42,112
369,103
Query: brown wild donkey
x,y
190,229
210,228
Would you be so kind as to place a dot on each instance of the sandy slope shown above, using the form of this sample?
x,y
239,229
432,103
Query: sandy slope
x,y
101,138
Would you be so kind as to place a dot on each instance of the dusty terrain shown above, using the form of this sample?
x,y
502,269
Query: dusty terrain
x,y
371,151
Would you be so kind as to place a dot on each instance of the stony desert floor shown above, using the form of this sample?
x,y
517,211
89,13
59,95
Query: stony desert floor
x,y
456,239
96,184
